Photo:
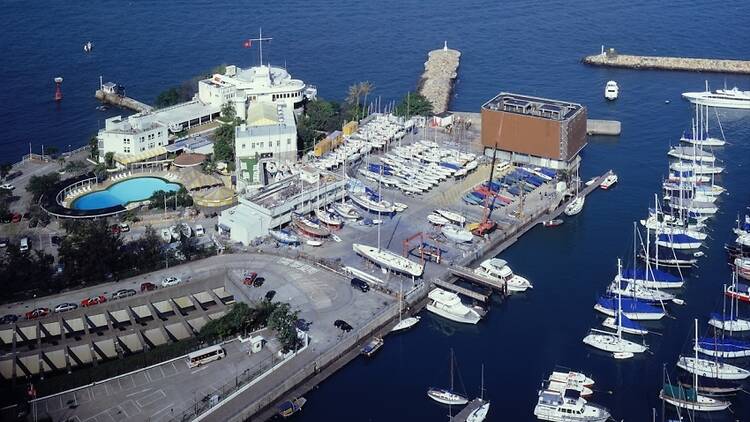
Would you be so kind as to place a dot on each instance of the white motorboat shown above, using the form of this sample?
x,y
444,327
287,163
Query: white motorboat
x,y
456,234
575,206
437,220
611,91
712,369
498,269
389,260
568,407
479,414
448,305
571,377
452,216
345,211
720,98
608,182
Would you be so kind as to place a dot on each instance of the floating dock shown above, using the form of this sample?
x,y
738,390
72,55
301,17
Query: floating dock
x,y
440,72
122,101
468,274
461,290
611,58
603,127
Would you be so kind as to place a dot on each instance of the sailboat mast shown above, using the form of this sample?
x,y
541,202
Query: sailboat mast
x,y
619,301
695,373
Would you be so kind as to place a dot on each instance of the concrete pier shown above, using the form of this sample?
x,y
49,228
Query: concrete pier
x,y
603,127
122,101
611,58
440,72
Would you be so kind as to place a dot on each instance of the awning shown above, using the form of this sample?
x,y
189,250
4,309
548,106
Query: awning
x,y
131,343
81,353
177,331
6,336
52,328
163,307
120,316
126,159
183,303
106,349
29,332
155,336
216,315
73,325
204,298
56,358
97,321
197,323
142,312
31,363
6,368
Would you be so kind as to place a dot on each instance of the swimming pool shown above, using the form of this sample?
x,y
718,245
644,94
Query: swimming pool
x,y
122,193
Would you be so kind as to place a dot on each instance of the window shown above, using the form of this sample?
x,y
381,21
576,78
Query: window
x,y
126,141
278,142
126,150
150,145
243,146
143,149
288,141
142,138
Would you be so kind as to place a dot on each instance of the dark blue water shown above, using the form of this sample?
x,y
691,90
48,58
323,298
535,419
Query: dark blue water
x,y
528,47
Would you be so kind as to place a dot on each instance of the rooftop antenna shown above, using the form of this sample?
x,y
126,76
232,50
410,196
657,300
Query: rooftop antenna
x,y
260,39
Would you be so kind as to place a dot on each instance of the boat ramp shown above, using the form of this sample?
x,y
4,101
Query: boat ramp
x,y
611,58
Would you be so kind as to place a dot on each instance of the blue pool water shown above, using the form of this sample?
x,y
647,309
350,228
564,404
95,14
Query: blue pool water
x,y
124,192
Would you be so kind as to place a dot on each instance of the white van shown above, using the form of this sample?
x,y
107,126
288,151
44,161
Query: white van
x,y
24,245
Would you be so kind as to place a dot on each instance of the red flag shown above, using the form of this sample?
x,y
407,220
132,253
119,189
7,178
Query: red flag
x,y
247,43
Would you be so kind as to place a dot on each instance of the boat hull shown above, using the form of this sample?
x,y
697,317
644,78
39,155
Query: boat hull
x,y
470,318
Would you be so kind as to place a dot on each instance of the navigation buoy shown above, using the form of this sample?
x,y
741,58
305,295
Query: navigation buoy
x,y
58,88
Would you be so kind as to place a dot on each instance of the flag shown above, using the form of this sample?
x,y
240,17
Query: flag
x,y
247,43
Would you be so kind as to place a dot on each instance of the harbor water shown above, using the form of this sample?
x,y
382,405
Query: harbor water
x,y
527,47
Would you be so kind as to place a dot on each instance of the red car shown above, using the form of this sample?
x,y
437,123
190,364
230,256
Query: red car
x,y
93,300
16,217
37,313
250,278
147,287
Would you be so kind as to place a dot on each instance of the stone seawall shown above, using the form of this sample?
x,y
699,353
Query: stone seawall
x,y
669,63
440,72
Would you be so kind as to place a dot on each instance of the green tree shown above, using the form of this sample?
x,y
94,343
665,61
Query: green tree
x,y
224,143
91,252
109,160
168,97
75,166
5,168
25,273
100,171
188,247
414,104
228,113
284,321
40,184
146,251
94,148
52,150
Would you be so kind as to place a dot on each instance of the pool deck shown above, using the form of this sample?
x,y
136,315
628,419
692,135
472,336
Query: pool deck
x,y
121,177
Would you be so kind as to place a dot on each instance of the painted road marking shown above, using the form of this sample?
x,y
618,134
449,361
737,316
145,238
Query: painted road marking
x,y
198,370
139,392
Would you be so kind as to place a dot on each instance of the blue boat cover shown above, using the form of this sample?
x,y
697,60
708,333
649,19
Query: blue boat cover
x,y
677,238
450,165
629,305
548,172
629,323
724,345
653,274
479,195
372,194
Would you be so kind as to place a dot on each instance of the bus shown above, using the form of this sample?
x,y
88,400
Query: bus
x,y
203,356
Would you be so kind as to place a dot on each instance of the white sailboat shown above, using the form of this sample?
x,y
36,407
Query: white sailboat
x,y
389,259
613,342
452,216
447,395
403,323
437,219
712,369
688,398
456,234
576,205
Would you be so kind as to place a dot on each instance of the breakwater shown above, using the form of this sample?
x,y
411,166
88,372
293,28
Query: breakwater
x,y
611,58
122,101
440,72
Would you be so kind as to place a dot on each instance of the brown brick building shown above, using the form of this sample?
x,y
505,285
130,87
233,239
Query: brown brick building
x,y
536,131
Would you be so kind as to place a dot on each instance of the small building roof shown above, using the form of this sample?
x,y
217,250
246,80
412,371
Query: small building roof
x,y
6,368
82,353
177,331
155,336
262,114
131,342
106,348
148,154
73,325
189,159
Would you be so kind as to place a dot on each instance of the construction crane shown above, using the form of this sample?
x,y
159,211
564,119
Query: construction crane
x,y
487,225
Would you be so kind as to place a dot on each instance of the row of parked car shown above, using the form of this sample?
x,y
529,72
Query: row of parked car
x,y
89,301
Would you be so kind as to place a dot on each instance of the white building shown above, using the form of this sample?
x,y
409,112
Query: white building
x,y
272,207
142,132
269,135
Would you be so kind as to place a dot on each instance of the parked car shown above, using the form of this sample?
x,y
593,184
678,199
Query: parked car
x,y
3,242
343,325
250,278
56,240
23,244
9,319
115,228
199,230
93,300
259,281
122,293
360,284
124,227
170,281
13,175
65,307
7,186
16,218
303,324
270,295
37,313
33,223
147,287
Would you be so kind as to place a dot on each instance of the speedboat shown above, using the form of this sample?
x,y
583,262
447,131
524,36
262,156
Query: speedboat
x,y
389,260
571,376
568,407
739,291
445,396
608,182
498,269
611,91
575,206
552,223
448,305
456,234
712,369
720,98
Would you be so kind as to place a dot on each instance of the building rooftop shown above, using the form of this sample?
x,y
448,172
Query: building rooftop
x,y
283,191
533,106
184,112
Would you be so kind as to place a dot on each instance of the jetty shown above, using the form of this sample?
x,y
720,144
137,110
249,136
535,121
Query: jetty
x,y
610,57
111,93
440,72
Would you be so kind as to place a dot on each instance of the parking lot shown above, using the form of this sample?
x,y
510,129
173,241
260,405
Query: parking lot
x,y
168,389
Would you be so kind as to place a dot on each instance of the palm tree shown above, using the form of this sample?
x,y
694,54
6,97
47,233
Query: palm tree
x,y
352,96
365,88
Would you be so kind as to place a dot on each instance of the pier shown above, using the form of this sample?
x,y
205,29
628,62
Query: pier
x,y
473,405
440,72
468,274
611,58
461,290
603,127
122,101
